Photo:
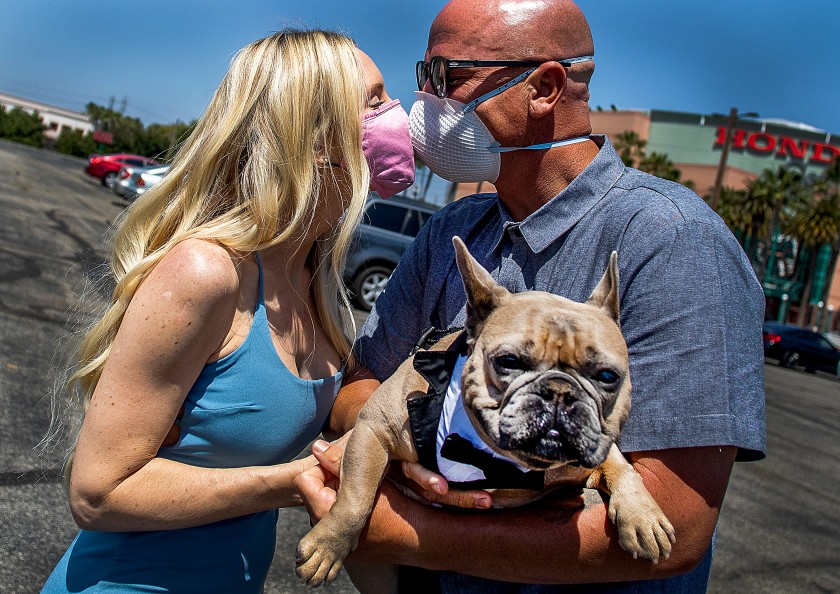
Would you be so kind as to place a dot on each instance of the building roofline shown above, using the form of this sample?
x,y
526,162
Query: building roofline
x,y
42,107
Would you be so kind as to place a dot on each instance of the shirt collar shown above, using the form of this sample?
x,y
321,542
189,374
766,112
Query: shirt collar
x,y
551,221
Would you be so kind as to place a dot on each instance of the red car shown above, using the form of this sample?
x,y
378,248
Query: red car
x,y
106,167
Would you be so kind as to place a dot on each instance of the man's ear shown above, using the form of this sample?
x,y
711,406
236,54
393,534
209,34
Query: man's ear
x,y
605,294
483,293
547,85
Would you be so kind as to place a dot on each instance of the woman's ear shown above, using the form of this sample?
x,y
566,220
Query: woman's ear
x,y
547,85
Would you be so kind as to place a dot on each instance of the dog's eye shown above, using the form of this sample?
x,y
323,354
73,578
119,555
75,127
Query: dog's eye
x,y
510,362
606,376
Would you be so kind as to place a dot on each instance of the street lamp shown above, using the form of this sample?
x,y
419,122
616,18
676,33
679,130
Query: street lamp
x,y
783,307
724,153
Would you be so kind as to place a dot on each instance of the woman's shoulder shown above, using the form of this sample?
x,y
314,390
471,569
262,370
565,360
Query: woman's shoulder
x,y
198,271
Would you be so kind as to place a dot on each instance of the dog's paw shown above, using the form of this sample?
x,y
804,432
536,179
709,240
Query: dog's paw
x,y
320,555
643,529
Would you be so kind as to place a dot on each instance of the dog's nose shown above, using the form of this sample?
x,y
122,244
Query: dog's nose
x,y
560,390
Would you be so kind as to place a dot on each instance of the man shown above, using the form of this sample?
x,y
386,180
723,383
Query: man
x,y
691,308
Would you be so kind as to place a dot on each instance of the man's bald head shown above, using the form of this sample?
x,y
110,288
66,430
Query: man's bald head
x,y
511,30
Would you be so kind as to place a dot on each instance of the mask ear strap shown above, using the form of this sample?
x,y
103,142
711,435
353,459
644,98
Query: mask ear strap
x,y
537,147
514,81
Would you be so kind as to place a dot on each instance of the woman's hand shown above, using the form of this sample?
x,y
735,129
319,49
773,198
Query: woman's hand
x,y
318,485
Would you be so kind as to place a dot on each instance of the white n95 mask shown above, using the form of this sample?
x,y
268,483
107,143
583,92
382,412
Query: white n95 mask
x,y
452,142
455,144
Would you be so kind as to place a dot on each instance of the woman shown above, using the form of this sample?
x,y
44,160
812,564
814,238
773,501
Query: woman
x,y
229,332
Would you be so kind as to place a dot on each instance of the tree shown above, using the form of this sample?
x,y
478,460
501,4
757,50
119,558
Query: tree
x,y
630,147
128,132
829,187
75,142
161,140
660,165
816,222
20,126
770,200
731,210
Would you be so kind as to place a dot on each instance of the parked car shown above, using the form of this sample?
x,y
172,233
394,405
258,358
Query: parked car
x,y
123,186
387,229
793,346
140,180
106,167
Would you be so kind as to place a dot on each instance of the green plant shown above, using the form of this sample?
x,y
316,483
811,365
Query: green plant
x,y
20,126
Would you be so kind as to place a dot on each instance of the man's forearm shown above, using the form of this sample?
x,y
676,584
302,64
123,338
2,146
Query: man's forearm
x,y
349,401
542,543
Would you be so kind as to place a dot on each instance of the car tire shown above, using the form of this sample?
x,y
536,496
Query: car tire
x,y
368,283
109,179
790,359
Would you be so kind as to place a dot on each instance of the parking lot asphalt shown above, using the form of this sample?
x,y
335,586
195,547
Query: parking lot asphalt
x,y
779,528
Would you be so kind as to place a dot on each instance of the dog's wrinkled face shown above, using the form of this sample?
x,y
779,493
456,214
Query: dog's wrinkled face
x,y
547,381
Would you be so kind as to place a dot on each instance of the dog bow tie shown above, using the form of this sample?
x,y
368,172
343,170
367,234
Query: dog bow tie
x,y
499,474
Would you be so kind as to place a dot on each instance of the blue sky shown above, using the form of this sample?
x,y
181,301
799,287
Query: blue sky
x,y
779,59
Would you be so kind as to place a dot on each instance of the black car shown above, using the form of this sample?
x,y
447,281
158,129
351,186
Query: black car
x,y
793,346
387,229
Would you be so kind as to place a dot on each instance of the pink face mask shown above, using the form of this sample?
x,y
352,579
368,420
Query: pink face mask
x,y
387,148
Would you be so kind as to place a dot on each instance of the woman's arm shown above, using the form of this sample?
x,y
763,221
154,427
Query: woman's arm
x,y
179,317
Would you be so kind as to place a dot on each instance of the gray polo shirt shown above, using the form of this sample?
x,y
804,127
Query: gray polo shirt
x,y
691,307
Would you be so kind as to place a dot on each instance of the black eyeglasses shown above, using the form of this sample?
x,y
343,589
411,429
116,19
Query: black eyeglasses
x,y
437,69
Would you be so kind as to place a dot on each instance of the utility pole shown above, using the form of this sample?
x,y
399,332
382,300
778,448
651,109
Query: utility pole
x,y
724,154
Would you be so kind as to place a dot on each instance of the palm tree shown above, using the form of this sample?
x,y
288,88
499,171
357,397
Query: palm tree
x,y
772,196
815,223
660,165
630,147
731,210
829,187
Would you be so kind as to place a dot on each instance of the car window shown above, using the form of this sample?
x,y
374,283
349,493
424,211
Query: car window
x,y
386,216
823,342
412,223
135,162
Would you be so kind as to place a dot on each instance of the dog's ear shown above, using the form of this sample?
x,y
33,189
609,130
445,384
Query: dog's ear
x,y
483,293
605,294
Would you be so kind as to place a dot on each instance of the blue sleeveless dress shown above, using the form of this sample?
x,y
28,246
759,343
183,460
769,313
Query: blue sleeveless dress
x,y
246,409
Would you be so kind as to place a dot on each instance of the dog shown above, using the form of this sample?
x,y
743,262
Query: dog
x,y
544,393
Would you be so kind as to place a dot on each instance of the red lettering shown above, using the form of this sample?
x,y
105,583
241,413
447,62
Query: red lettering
x,y
820,148
768,144
737,138
797,150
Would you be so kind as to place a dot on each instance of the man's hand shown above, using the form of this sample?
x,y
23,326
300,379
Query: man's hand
x,y
433,488
318,485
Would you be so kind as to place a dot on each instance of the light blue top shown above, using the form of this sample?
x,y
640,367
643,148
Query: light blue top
x,y
246,409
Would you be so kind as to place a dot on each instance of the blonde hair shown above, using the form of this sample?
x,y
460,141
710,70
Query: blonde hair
x,y
249,177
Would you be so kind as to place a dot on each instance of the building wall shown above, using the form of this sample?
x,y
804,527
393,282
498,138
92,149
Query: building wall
x,y
698,140
613,123
55,118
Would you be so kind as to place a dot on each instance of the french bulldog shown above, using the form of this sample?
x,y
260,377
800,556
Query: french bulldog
x,y
546,388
